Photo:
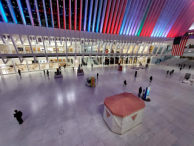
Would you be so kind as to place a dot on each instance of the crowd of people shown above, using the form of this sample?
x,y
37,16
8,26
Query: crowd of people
x,y
183,66
141,92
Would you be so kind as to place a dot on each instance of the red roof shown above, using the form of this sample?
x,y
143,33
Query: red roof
x,y
124,104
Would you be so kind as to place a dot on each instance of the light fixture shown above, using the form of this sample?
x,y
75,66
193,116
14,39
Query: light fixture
x,y
75,60
189,51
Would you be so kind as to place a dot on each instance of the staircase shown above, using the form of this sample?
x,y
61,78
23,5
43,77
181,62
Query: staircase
x,y
173,61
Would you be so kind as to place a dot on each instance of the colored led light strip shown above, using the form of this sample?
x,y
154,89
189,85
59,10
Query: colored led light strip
x,y
154,17
147,24
145,21
128,17
142,15
21,12
70,14
38,14
110,16
118,15
114,16
98,17
106,16
43,2
167,17
94,18
29,11
121,17
80,16
90,15
58,14
144,18
3,14
138,18
85,13
11,11
64,15
160,19
124,18
103,14
174,19
75,14
137,7
187,17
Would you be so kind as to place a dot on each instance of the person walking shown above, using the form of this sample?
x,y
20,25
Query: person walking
x,y
172,71
180,68
97,75
47,72
140,91
125,83
135,73
167,72
143,94
19,72
44,72
189,66
151,79
18,116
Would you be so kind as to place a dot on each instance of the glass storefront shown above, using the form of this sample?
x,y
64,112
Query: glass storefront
x,y
7,68
51,63
21,66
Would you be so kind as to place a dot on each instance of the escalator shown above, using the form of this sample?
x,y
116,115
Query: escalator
x,y
83,62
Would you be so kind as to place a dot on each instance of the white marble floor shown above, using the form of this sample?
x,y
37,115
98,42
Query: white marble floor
x,y
65,112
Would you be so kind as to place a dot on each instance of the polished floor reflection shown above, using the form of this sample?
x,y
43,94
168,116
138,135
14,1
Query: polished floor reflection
x,y
65,112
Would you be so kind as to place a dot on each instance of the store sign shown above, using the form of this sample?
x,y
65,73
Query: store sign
x,y
92,81
147,93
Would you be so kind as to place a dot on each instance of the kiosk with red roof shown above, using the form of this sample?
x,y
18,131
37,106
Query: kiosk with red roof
x,y
123,112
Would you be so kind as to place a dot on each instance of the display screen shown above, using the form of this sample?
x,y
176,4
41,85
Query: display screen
x,y
148,92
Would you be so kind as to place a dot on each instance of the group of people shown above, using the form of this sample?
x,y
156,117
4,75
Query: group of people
x,y
171,72
46,72
18,116
140,91
183,66
19,72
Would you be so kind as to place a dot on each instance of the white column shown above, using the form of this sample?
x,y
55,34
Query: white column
x,y
29,11
154,47
66,44
27,65
128,48
39,65
144,46
21,11
158,49
138,49
111,48
14,65
24,48
43,3
37,11
133,48
164,47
